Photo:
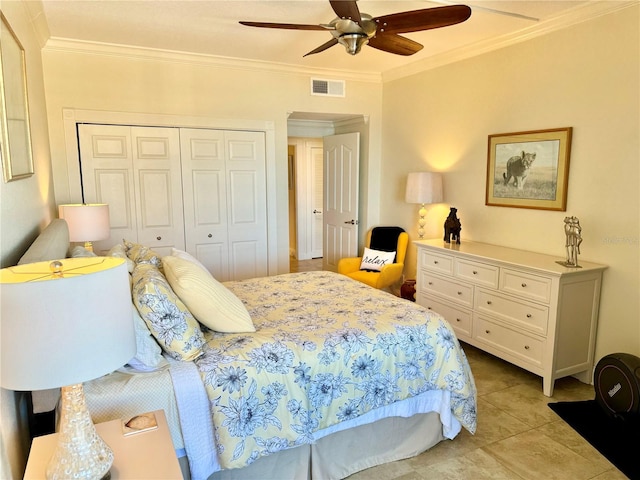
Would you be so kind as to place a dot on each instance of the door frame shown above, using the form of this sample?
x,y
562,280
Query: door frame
x,y
72,116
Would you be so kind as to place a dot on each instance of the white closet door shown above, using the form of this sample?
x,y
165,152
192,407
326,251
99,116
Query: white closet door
x,y
156,165
136,170
205,198
246,200
107,177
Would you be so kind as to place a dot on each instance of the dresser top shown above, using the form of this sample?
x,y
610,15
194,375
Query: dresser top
x,y
523,258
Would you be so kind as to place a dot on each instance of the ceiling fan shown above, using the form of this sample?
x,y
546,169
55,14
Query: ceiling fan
x,y
354,29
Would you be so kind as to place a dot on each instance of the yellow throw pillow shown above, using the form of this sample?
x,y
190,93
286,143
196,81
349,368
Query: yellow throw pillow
x,y
168,319
213,304
141,254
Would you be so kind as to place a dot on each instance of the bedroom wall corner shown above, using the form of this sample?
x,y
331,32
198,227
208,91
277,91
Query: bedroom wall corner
x,y
26,207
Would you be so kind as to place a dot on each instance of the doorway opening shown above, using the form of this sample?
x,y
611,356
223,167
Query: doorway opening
x,y
306,131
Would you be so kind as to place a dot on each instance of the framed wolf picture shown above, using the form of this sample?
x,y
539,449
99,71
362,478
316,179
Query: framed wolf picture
x,y
529,169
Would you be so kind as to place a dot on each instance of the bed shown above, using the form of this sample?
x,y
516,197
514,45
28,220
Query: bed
x,y
317,376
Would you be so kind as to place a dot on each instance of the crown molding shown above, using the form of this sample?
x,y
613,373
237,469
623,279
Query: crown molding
x,y
579,14
142,53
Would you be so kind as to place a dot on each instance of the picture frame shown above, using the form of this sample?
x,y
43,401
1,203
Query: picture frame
x,y
15,131
529,169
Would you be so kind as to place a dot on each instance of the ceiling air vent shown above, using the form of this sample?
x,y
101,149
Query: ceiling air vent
x,y
327,88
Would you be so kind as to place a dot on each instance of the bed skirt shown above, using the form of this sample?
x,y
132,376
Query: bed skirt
x,y
343,453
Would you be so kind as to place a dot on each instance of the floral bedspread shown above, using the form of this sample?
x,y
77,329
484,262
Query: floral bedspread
x,y
327,349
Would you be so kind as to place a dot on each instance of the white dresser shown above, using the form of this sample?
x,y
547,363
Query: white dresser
x,y
520,306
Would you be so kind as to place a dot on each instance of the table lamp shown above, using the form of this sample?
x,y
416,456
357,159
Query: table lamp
x,y
88,222
64,323
423,188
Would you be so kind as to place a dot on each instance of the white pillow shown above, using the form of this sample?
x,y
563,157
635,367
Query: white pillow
x,y
210,302
187,256
148,353
119,251
376,259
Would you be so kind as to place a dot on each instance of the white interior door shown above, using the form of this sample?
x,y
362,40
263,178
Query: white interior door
x,y
205,198
247,206
158,179
317,197
341,170
107,175
136,171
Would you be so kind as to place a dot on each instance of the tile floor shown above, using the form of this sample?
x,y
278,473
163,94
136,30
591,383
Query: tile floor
x,y
518,437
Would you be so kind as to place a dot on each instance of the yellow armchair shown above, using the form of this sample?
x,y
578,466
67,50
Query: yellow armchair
x,y
388,275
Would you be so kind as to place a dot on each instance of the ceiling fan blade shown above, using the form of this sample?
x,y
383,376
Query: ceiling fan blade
x,y
287,26
425,19
323,47
392,43
346,9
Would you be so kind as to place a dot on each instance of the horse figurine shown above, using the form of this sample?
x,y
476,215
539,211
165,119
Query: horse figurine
x,y
452,227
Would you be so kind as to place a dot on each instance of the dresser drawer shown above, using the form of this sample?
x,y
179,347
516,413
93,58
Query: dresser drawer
x,y
436,263
526,285
526,348
457,292
476,272
523,314
459,318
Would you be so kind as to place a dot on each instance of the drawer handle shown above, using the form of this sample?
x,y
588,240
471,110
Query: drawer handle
x,y
430,283
526,347
458,320
158,238
524,285
435,262
209,235
475,272
488,302
487,331
529,315
459,293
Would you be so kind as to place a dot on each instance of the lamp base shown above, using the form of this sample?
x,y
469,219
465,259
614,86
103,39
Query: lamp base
x,y
80,453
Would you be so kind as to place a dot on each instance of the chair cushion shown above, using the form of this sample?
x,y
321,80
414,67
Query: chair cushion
x,y
385,239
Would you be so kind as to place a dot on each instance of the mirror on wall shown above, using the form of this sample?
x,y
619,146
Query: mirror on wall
x,y
17,160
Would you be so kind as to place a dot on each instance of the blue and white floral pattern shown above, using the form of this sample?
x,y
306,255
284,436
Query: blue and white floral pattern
x,y
326,349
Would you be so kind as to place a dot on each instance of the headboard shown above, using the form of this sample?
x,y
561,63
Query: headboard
x,y
51,244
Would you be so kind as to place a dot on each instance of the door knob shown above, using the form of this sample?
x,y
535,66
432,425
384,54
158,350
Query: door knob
x,y
316,211
209,235
352,222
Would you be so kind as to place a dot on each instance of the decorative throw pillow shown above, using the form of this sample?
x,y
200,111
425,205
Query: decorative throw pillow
x,y
148,353
168,319
141,254
209,301
187,256
374,260
120,251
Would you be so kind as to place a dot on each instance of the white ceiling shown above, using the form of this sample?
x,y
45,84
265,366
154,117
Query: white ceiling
x,y
212,28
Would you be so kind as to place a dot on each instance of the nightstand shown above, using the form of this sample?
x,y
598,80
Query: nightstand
x,y
146,455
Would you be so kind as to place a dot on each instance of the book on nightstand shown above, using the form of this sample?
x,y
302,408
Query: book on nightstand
x,y
140,423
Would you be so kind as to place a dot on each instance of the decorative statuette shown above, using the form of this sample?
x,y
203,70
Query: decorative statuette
x,y
452,227
573,233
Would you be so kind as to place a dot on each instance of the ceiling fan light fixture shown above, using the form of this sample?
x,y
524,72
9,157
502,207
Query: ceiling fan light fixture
x,y
353,42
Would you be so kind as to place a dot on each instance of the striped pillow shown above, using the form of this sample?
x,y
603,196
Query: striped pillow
x,y
208,300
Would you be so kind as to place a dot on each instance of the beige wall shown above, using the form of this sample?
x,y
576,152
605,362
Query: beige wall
x,y
25,207
188,86
586,77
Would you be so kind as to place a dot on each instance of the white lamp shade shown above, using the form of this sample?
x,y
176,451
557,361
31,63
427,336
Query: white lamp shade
x,y
61,331
87,222
424,187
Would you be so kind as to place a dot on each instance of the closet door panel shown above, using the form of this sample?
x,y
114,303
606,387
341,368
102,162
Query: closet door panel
x,y
247,228
106,164
205,198
157,173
